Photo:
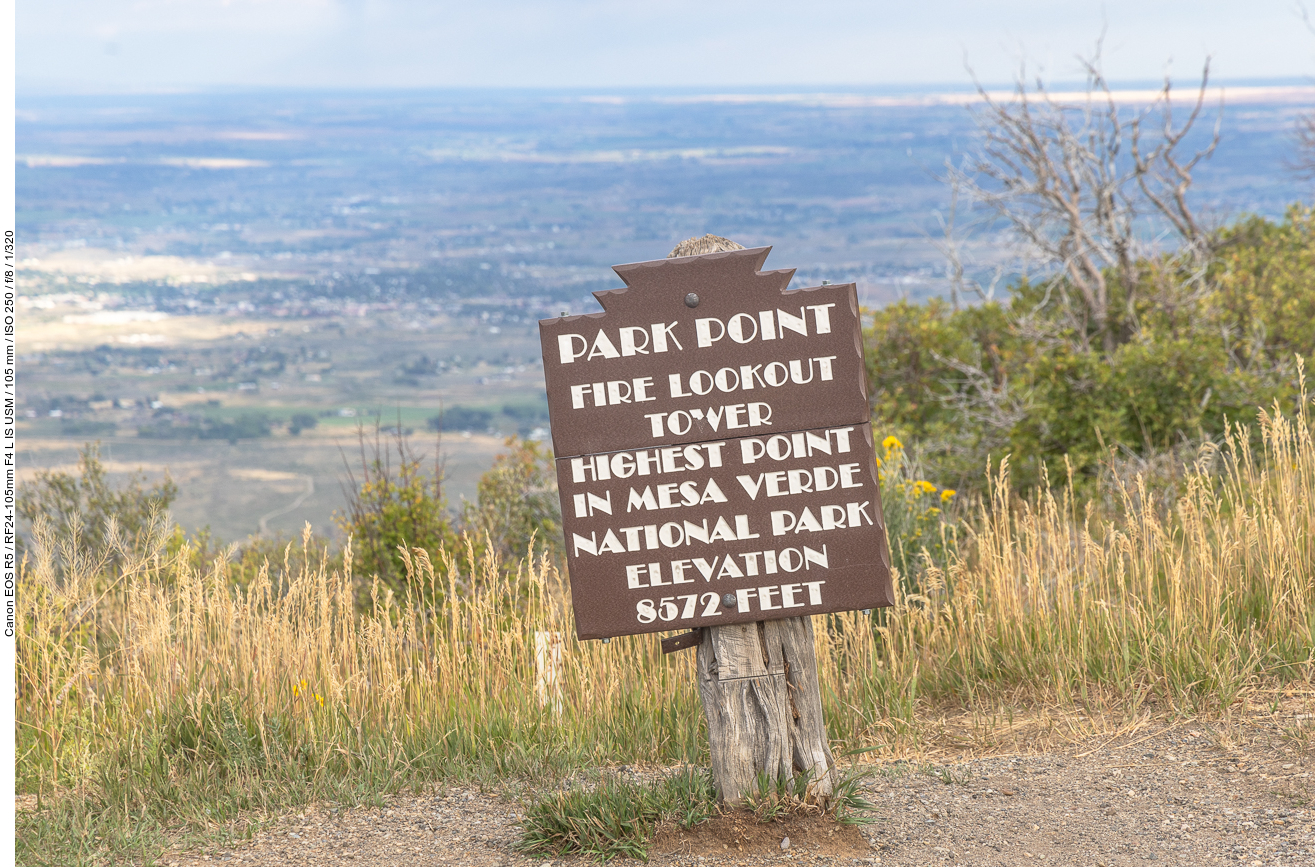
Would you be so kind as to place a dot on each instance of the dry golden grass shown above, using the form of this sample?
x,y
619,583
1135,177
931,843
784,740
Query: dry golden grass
x,y
155,690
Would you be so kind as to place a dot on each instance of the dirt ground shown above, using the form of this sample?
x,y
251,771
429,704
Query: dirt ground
x,y
1177,795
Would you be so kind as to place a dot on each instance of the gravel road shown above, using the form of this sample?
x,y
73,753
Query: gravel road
x,y
1181,796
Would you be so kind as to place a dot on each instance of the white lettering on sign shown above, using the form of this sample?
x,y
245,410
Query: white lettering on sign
x,y
612,392
784,483
731,566
588,504
672,607
832,517
731,416
745,328
643,462
642,500
687,606
766,597
634,340
788,560
746,377
672,534
801,444
673,496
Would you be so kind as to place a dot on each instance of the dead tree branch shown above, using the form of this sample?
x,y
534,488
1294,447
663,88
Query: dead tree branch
x,y
1079,182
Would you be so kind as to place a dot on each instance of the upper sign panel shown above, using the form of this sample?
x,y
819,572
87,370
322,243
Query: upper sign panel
x,y
699,348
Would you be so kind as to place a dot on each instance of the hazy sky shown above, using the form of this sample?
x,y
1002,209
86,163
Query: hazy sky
x,y
117,45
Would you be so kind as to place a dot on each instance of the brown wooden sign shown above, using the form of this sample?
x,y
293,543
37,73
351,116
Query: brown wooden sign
x,y
703,347
714,456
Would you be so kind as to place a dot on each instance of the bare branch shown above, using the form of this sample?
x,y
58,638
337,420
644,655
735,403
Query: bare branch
x,y
1162,178
952,242
979,399
1305,15
1077,181
1304,163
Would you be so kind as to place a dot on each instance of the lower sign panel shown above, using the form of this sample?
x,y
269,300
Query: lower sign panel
x,y
727,531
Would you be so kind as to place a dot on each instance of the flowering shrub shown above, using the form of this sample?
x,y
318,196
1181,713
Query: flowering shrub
x,y
914,510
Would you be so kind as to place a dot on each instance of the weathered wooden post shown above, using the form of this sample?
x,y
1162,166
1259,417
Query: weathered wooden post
x,y
716,470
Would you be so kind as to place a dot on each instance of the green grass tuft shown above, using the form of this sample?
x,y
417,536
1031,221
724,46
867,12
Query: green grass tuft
x,y
616,817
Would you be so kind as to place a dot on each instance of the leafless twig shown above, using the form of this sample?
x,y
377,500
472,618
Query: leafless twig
x,y
1077,181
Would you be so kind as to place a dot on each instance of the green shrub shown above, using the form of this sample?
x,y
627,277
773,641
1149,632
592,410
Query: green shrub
x,y
1189,352
252,425
518,504
461,418
394,501
302,421
93,521
1264,288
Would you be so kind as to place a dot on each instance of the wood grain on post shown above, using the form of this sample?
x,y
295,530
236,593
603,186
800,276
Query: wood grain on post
x,y
759,686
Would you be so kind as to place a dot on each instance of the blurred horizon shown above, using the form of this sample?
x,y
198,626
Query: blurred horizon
x,y
135,45
1182,83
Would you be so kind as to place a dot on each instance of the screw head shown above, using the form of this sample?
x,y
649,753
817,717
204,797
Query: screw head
x,y
728,600
692,300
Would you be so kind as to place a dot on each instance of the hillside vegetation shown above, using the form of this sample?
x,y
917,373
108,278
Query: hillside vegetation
x,y
1190,351
1100,490
159,697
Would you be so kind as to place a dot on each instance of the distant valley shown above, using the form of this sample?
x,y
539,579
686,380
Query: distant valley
x,y
227,285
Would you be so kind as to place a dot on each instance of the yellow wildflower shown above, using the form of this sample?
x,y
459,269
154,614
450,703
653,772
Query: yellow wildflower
x,y
320,699
891,443
925,487
946,494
